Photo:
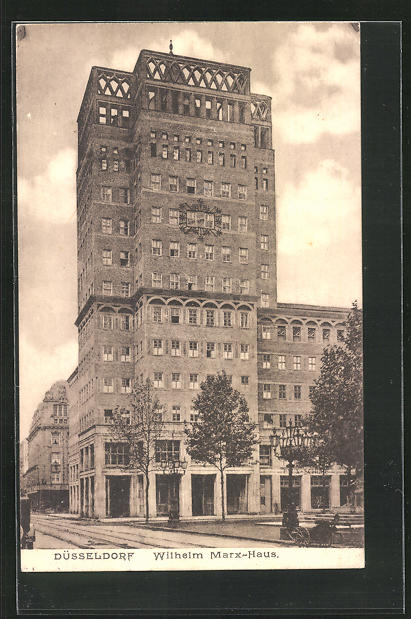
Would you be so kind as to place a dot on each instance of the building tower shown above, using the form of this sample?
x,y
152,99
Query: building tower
x,y
176,266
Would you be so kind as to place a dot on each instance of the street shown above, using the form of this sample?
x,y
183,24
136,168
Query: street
x,y
72,533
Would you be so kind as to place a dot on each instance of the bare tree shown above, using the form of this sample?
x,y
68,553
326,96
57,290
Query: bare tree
x,y
140,428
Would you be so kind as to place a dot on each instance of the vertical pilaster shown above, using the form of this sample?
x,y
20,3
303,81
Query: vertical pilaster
x,y
185,496
335,491
305,492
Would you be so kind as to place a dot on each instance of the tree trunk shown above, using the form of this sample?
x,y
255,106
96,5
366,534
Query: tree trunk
x,y
147,487
290,483
222,494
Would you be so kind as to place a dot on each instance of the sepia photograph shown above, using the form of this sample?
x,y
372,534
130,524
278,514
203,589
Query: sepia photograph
x,y
190,296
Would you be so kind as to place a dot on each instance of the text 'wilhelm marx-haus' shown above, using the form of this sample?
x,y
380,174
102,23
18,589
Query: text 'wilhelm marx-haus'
x,y
176,224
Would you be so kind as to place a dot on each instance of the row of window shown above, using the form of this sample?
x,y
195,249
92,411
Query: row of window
x,y
60,410
297,333
107,258
199,156
199,141
282,419
270,391
210,317
176,184
194,349
174,251
206,220
298,362
113,115
123,228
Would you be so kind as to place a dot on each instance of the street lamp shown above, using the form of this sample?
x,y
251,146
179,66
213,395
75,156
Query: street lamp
x,y
289,444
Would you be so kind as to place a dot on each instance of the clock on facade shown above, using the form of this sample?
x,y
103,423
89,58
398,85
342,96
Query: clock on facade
x,y
200,218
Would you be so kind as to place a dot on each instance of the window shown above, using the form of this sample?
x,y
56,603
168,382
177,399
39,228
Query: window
x,y
245,381
244,351
283,421
55,438
176,380
221,159
191,185
267,391
157,314
108,415
125,289
193,381
227,284
311,390
125,322
197,106
265,454
219,108
126,385
208,108
242,224
107,385
282,392
209,283
210,157
107,353
108,321
296,334
175,315
168,451
157,247
153,149
173,183
233,161
174,281
55,478
210,318
228,318
264,241
263,212
265,170
209,252
244,286
156,280
256,183
242,192
124,227
186,105
297,392
192,316
193,416
107,257
125,354
243,146
156,182
264,271
156,214
175,348
193,349
265,299
173,217
266,362
297,363
188,154
210,350
174,249
187,139
116,454
192,250
106,225
227,350
226,222
124,258
265,184
199,156
226,190
243,162
157,347
311,334
158,380
243,255
281,332
116,164
176,413
226,254
106,194
340,335
208,188
311,363
176,153
298,420
266,332
244,320
281,362
164,151
107,288
326,335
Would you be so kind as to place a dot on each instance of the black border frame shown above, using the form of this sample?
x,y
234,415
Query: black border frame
x,y
379,587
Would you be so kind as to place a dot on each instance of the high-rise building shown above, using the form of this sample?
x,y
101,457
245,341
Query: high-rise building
x,y
176,226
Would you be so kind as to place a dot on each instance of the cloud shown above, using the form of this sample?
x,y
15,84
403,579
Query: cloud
x,y
317,87
51,195
38,371
318,232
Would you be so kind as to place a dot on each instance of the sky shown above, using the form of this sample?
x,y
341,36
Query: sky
x,y
312,73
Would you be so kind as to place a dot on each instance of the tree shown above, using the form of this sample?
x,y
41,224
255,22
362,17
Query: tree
x,y
337,399
223,435
139,428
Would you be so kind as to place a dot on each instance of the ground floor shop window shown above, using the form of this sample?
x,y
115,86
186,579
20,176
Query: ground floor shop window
x,y
117,496
292,495
320,491
202,495
168,494
237,494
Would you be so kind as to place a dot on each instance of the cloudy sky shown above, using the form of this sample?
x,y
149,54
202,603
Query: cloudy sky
x,y
312,73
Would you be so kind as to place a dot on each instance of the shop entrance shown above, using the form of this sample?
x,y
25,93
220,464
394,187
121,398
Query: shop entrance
x,y
168,495
294,496
117,496
320,491
237,494
265,494
202,495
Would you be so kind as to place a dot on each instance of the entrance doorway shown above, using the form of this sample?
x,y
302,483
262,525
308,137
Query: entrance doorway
x,y
265,494
117,496
168,495
294,496
202,495
320,491
237,494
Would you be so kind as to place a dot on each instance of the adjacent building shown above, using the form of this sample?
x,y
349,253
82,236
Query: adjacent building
x,y
176,228
46,477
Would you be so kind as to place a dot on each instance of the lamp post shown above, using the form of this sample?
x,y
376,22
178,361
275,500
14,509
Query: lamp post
x,y
289,444
173,468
